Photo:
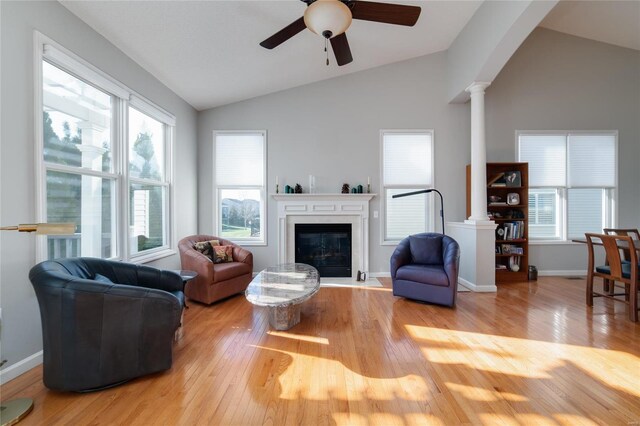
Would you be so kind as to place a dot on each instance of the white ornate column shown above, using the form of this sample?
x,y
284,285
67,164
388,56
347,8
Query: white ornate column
x,y
476,235
478,153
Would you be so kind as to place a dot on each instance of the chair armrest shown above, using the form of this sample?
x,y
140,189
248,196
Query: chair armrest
x,y
159,279
193,260
243,255
401,256
451,259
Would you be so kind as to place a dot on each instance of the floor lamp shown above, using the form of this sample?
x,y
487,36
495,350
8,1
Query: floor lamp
x,y
11,412
426,191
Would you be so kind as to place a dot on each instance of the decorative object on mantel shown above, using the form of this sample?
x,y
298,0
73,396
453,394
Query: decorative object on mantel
x,y
298,189
312,184
287,189
426,191
369,185
354,190
345,188
360,189
277,186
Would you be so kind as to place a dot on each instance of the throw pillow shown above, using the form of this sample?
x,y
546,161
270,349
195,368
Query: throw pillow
x,y
426,249
206,247
223,254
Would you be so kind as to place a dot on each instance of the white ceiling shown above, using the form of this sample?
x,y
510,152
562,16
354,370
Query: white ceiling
x,y
208,53
614,22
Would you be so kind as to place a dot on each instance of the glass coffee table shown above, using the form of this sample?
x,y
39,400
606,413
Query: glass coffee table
x,y
282,289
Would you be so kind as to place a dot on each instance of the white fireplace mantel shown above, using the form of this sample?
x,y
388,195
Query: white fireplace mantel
x,y
324,208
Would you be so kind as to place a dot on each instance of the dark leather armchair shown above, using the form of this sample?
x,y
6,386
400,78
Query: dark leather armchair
x,y
425,267
105,322
215,281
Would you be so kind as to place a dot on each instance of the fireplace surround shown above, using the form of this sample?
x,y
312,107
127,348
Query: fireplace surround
x,y
350,209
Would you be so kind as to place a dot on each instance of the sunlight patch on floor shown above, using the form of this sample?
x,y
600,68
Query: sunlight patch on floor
x,y
296,382
287,335
531,359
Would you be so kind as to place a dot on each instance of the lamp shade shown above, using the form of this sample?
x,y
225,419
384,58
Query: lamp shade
x,y
328,18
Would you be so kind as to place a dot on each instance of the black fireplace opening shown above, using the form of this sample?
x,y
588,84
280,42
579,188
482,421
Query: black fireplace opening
x,y
325,246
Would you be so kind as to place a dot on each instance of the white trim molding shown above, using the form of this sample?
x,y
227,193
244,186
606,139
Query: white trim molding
x,y
20,367
347,208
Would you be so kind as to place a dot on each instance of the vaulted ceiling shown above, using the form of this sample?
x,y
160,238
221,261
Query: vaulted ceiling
x,y
207,52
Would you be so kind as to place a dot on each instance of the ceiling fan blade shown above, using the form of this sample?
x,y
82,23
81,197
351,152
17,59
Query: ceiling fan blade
x,y
387,13
341,49
284,34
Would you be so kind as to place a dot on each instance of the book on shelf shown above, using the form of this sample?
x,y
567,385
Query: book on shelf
x,y
498,203
510,231
497,180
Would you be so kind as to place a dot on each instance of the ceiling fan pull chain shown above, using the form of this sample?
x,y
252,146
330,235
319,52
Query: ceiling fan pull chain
x,y
326,40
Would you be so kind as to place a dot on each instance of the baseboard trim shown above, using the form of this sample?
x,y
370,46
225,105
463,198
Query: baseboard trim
x,y
20,367
563,273
477,288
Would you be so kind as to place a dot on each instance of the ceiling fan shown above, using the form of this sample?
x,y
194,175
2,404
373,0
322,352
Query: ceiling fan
x,y
331,18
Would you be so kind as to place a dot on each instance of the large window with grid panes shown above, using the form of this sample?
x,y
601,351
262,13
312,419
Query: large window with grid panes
x,y
105,162
572,182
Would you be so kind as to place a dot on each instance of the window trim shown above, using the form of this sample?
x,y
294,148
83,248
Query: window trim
x,y
123,97
431,206
217,210
610,213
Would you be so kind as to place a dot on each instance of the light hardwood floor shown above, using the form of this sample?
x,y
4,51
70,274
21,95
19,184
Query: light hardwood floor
x,y
531,354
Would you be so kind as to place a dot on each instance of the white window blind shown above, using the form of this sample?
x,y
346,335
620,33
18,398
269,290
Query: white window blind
x,y
407,159
406,215
584,211
240,159
592,161
546,155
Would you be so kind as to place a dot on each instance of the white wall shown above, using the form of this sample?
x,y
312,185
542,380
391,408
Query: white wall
x,y
331,129
561,82
21,332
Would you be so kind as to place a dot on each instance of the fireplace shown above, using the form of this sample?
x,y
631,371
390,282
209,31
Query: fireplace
x,y
325,246
350,209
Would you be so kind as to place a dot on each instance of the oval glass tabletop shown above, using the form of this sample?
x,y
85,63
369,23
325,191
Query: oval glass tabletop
x,y
283,285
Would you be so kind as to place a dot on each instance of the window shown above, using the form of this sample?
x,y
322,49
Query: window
x,y
85,119
240,168
572,179
407,165
148,186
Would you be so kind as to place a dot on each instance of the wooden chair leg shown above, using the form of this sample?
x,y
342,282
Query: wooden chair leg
x,y
605,286
589,290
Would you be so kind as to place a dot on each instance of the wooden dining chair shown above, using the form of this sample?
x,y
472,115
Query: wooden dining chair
x,y
632,232
615,270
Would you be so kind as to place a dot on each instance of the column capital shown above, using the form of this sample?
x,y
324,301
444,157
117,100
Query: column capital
x,y
477,87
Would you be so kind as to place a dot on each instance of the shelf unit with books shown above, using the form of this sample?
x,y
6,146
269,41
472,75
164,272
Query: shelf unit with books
x,y
508,206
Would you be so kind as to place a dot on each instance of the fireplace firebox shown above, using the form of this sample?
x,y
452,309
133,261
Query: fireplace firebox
x,y
325,246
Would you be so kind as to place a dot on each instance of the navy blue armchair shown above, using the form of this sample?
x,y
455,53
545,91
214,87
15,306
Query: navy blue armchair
x,y
105,322
425,267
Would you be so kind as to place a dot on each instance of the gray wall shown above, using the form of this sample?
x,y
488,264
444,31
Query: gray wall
x,y
561,82
21,334
331,129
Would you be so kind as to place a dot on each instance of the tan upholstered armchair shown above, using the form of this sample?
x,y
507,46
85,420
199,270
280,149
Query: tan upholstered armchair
x,y
215,281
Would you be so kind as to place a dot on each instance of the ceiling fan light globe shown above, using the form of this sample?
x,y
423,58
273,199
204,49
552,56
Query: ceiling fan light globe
x,y
327,15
